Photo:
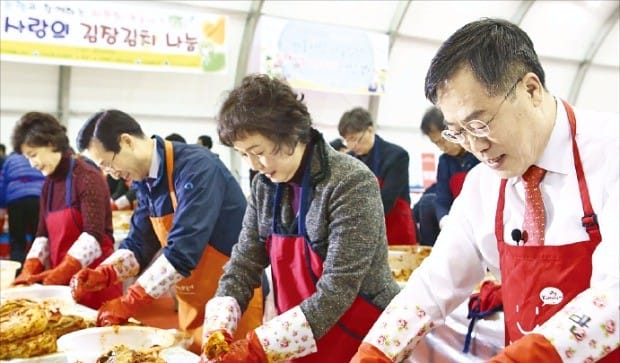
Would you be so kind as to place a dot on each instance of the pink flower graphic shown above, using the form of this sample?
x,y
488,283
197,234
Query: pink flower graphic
x,y
599,301
610,326
402,323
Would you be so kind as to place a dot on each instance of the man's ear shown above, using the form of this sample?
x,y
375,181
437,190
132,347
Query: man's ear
x,y
534,88
128,140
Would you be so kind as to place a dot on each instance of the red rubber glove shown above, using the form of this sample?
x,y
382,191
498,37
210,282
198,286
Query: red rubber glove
x,y
90,280
204,358
368,353
530,348
59,275
119,310
488,298
32,266
248,350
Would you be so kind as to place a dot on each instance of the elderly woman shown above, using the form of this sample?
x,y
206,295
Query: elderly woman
x,y
75,219
315,215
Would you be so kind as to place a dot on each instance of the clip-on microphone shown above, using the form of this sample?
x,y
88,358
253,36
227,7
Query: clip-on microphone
x,y
518,236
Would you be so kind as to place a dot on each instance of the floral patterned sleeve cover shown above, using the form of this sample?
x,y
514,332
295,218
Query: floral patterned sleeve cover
x,y
574,337
286,336
159,278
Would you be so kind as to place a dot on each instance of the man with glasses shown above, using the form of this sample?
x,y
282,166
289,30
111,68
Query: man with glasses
x,y
189,205
540,211
390,164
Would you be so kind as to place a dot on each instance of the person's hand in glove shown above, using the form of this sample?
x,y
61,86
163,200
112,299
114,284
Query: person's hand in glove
x,y
119,310
35,261
530,348
217,343
151,285
260,345
32,266
59,275
91,280
248,350
222,313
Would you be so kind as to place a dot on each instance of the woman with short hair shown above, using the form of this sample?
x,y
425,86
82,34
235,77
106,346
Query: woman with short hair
x,y
75,219
314,215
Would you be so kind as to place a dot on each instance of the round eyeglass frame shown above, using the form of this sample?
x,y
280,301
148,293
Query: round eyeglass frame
x,y
476,128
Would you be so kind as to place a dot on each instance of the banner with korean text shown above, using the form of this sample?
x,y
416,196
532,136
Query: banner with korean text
x,y
127,35
324,57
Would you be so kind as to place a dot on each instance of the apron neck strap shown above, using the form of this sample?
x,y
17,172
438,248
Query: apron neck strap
x,y
304,199
69,182
375,157
589,220
169,160
68,186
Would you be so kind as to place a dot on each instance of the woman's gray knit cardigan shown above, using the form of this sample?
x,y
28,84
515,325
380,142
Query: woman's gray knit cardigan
x,y
345,226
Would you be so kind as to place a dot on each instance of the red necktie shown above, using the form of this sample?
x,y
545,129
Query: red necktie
x,y
534,221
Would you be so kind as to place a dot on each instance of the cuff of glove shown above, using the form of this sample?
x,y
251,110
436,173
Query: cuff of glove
x,y
124,263
159,278
291,327
85,249
40,250
221,313
368,353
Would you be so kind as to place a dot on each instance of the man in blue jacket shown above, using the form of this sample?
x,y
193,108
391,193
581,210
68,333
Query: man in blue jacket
x,y
189,204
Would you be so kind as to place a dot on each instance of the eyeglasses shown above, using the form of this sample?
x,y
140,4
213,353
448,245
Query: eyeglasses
x,y
476,128
107,167
350,144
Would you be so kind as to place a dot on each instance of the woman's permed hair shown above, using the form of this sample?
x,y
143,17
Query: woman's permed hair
x,y
265,106
39,129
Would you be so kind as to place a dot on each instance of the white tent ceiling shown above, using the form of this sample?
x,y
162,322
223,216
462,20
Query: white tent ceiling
x,y
583,31
577,41
576,35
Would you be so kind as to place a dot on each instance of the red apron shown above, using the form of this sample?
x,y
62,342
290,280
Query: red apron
x,y
194,291
559,273
295,270
456,183
399,224
64,226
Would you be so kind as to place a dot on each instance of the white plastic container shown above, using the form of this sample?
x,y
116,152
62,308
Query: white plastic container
x,y
8,270
38,292
85,346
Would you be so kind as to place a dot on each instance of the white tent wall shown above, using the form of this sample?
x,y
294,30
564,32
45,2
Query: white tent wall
x,y
187,103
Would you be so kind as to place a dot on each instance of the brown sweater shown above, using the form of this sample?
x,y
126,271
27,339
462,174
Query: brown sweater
x,y
89,195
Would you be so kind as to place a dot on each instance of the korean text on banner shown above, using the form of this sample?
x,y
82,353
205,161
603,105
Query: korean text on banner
x,y
114,35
